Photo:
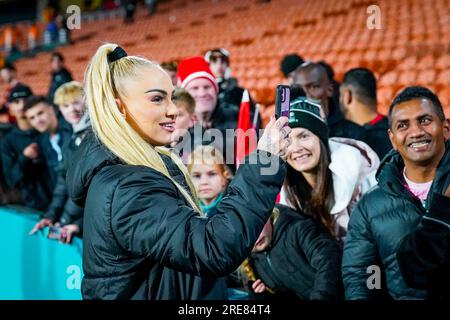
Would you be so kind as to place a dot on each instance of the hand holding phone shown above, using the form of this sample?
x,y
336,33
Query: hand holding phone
x,y
56,233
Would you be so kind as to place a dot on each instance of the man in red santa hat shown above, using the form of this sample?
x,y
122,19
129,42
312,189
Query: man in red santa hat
x,y
213,117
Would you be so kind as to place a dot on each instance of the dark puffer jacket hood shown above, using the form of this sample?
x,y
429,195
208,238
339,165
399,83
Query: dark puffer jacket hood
x,y
90,158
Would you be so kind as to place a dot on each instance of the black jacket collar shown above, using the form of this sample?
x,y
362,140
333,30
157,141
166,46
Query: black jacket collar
x,y
390,172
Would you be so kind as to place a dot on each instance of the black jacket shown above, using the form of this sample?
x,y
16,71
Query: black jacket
x,y
58,78
230,93
225,116
30,177
4,129
376,136
424,255
62,209
303,258
64,131
8,195
341,127
382,218
143,241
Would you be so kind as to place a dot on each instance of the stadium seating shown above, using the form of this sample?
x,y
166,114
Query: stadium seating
x,y
410,48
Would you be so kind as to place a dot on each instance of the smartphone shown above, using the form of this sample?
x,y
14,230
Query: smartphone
x,y
55,233
282,101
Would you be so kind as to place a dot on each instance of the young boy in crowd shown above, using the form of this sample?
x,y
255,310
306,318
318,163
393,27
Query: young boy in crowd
x,y
62,211
186,114
171,68
210,176
55,131
24,169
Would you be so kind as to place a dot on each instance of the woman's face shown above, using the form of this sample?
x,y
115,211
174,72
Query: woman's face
x,y
209,181
72,110
304,150
148,105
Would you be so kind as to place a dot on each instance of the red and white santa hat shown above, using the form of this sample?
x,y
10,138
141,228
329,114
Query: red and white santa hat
x,y
194,68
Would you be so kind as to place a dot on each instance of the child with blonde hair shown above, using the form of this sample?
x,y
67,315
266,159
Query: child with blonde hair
x,y
210,176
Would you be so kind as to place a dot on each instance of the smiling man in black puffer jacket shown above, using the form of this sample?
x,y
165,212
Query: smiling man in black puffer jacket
x,y
407,180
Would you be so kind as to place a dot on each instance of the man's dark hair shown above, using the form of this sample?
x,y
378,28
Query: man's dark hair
x,y
171,66
8,66
31,101
364,84
58,55
416,92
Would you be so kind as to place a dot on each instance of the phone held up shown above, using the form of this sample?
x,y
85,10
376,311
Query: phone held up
x,y
55,233
282,101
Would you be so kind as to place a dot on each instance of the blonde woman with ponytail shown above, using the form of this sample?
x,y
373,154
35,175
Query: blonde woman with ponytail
x,y
145,236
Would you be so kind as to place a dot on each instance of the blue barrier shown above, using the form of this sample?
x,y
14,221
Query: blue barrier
x,y
34,267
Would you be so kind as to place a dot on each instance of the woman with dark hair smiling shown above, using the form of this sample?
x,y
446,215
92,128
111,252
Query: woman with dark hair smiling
x,y
325,177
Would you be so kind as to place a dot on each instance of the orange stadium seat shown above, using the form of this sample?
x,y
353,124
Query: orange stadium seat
x,y
444,97
411,48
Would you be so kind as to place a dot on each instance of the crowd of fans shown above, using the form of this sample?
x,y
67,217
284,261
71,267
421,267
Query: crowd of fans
x,y
21,40
361,189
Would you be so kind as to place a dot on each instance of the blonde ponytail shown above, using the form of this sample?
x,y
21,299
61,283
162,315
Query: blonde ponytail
x,y
102,87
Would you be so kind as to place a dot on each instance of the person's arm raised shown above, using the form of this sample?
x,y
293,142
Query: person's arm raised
x,y
151,219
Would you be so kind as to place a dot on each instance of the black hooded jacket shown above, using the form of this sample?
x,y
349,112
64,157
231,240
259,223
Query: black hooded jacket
x,y
341,127
230,93
382,218
376,136
30,177
7,194
142,240
303,259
